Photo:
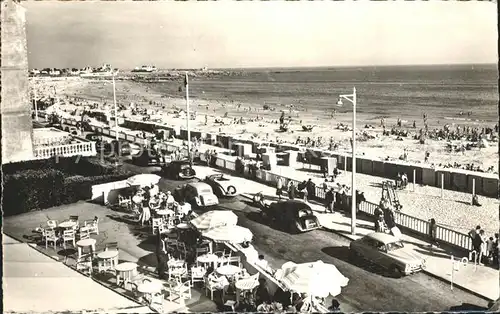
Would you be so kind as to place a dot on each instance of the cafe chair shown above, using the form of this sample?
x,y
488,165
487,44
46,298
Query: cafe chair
x,y
180,292
68,236
197,274
124,202
93,225
211,285
234,260
52,223
84,263
50,236
155,225
84,233
181,248
202,251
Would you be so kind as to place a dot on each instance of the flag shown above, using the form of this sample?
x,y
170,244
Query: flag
x,y
186,80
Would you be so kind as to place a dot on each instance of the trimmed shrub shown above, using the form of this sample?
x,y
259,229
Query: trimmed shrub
x,y
85,166
31,189
37,189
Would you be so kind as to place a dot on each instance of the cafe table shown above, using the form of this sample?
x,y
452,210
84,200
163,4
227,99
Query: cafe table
x,y
165,212
82,244
107,260
125,271
244,285
182,225
69,224
228,270
207,259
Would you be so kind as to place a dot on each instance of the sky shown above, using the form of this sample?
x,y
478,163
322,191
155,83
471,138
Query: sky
x,y
230,34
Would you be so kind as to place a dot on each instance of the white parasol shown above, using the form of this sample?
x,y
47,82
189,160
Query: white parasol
x,y
233,234
214,218
143,179
316,279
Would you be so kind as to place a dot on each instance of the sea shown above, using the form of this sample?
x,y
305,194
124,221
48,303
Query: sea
x,y
447,94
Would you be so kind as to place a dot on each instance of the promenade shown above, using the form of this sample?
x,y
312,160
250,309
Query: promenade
x,y
452,211
480,280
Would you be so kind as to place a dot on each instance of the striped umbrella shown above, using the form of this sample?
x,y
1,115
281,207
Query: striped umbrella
x,y
316,279
233,234
213,219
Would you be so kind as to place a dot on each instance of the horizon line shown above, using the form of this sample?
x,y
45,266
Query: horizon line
x,y
304,67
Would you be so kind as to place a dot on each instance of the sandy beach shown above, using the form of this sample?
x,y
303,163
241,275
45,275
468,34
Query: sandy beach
x,y
263,124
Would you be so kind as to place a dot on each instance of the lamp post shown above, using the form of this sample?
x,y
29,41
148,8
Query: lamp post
x,y
352,99
116,108
35,95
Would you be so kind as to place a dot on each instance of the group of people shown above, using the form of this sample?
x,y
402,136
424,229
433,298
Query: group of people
x,y
305,189
150,198
484,248
384,218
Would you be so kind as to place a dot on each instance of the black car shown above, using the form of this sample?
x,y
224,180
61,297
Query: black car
x,y
179,169
291,215
94,137
149,157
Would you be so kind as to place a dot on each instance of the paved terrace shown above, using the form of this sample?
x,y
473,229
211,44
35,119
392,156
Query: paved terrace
x,y
481,280
135,244
32,281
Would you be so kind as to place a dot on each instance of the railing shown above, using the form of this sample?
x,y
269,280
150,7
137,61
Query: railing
x,y
82,149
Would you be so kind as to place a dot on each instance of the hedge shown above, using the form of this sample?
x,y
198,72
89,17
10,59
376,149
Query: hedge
x,y
31,189
85,166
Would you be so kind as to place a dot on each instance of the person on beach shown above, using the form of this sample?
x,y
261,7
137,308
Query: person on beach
x,y
279,187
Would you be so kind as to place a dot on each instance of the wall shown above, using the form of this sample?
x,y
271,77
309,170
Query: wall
x,y
17,129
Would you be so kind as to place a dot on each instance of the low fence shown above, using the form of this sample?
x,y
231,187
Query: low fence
x,y
67,150
414,224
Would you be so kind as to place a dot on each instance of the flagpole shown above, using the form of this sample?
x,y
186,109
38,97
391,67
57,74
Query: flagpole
x,y
188,116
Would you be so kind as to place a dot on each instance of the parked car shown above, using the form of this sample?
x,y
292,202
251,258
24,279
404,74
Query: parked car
x,y
221,185
179,169
71,130
291,215
198,194
94,137
149,157
389,252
